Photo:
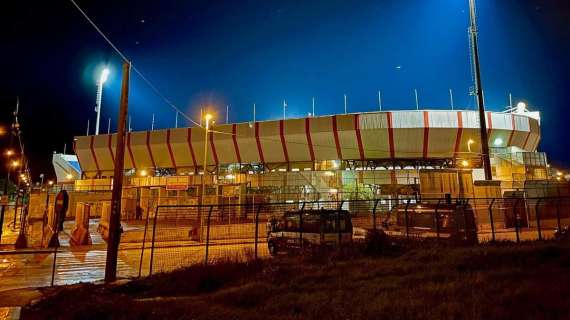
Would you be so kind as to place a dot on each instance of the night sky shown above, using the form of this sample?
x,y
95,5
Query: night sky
x,y
243,52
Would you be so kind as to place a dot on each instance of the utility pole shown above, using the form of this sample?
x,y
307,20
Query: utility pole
x,y
115,219
479,91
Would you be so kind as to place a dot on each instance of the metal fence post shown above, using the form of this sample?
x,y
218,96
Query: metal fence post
x,y
338,222
558,216
208,235
152,243
257,228
143,242
53,266
517,220
406,218
491,219
301,225
537,211
437,218
374,214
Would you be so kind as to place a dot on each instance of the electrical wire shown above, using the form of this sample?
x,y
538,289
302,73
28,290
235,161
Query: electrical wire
x,y
137,71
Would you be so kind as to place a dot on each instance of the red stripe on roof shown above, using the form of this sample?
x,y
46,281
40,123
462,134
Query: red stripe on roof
x,y
426,134
213,145
259,149
131,151
527,136
358,137
110,146
309,140
170,149
149,149
459,132
336,140
94,156
283,144
189,139
526,140
236,146
512,131
391,135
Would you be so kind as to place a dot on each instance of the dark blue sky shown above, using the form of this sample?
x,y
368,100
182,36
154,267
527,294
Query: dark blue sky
x,y
240,52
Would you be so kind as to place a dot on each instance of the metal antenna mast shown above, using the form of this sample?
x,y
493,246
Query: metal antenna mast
x,y
479,91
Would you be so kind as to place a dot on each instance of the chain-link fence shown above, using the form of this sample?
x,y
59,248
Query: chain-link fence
x,y
180,235
175,236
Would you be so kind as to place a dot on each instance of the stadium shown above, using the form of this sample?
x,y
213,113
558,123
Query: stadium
x,y
352,156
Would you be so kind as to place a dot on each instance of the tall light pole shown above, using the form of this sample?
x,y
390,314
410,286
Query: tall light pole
x,y
479,91
207,117
102,80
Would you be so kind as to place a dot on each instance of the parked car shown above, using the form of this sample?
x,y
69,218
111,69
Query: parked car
x,y
450,220
297,229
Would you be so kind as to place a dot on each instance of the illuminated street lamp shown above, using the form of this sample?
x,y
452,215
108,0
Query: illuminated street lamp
x,y
143,173
50,182
9,152
15,164
469,143
102,80
521,107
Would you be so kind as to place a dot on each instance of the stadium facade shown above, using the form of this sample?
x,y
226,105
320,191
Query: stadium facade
x,y
358,155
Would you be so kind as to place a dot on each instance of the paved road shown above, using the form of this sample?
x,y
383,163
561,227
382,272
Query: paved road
x,y
27,268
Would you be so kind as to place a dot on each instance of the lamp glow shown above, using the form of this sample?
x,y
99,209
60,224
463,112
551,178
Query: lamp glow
x,y
104,76
498,142
521,107
469,143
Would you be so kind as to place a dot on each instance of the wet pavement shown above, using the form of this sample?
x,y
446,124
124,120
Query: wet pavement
x,y
35,268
